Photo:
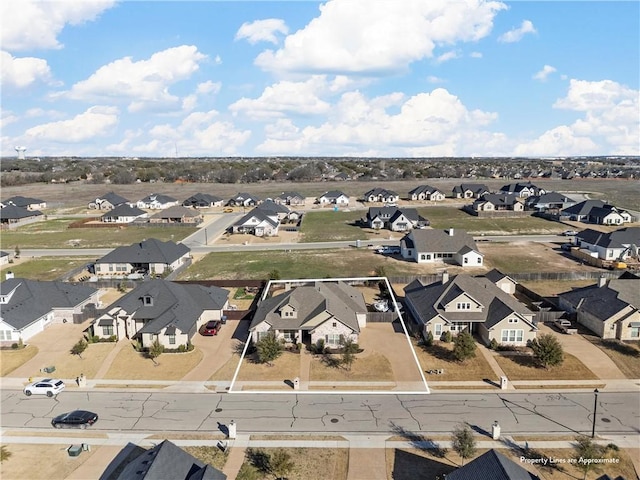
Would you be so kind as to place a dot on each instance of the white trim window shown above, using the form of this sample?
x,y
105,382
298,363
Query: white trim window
x,y
437,330
333,339
512,336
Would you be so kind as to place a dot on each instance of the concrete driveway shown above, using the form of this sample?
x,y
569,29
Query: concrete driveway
x,y
54,341
216,350
595,359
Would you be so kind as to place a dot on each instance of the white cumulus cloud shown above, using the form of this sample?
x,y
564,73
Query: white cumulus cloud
x,y
543,74
23,72
145,83
96,121
516,34
31,24
262,30
352,36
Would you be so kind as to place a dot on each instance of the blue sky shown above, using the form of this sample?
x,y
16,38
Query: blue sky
x,y
387,78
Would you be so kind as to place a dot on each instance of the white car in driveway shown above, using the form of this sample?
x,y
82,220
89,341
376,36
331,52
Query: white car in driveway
x,y
46,386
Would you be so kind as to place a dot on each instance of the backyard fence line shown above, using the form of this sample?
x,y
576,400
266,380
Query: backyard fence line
x,y
519,276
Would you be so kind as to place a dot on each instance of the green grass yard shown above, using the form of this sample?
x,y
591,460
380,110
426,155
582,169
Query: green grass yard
x,y
46,268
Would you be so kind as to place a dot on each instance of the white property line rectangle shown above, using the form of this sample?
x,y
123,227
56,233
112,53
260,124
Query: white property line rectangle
x,y
338,392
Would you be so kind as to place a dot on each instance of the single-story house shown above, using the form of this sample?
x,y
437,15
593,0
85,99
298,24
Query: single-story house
x,y
177,214
494,202
523,189
108,201
12,216
243,199
24,202
469,190
333,197
608,215
610,309
165,461
550,202
426,192
157,201
290,198
492,464
394,218
161,310
203,200
272,208
30,306
258,222
329,310
152,256
476,304
381,195
124,213
618,245
430,246
579,212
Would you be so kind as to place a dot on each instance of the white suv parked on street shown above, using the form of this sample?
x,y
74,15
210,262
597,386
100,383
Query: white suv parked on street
x,y
46,386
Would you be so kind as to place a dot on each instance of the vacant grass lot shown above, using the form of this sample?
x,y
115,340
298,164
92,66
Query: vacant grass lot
x,y
56,234
46,268
523,368
366,368
439,357
342,225
310,463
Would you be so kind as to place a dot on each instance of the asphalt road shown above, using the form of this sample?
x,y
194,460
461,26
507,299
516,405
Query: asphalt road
x,y
436,414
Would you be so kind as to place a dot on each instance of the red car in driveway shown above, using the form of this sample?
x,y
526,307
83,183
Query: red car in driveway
x,y
211,328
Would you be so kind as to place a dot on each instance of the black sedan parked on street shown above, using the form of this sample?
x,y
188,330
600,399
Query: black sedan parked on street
x,y
76,419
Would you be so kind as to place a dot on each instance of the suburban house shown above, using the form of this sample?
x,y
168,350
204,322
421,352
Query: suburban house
x,y
469,190
394,218
381,195
615,246
608,215
551,203
476,304
579,212
157,201
450,246
492,464
124,213
523,190
333,197
4,257
243,200
203,200
161,310
29,306
290,198
272,208
108,201
327,310
177,214
496,202
258,222
426,192
152,257
610,308
12,216
165,460
25,202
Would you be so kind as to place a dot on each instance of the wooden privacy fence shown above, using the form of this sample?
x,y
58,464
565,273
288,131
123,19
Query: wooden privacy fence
x,y
381,317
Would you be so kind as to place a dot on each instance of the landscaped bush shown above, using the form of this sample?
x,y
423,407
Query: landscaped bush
x,y
429,340
112,338
319,347
494,345
447,337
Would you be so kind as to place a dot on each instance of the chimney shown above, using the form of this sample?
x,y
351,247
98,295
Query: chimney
x,y
602,281
451,232
445,277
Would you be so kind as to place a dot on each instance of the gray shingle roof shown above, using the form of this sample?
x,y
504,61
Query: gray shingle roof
x,y
20,201
332,194
341,300
201,199
261,215
423,189
439,241
13,213
492,465
124,210
177,211
32,299
113,198
604,302
159,197
583,208
173,304
167,461
619,238
147,251
270,206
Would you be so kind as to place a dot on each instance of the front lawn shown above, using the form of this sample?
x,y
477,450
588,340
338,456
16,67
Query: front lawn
x,y
366,368
626,355
11,359
133,365
439,357
47,268
523,367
